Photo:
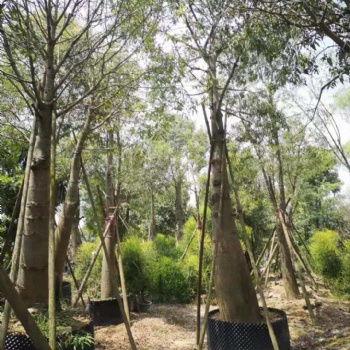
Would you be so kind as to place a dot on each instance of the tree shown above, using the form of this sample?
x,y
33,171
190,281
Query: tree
x,y
48,51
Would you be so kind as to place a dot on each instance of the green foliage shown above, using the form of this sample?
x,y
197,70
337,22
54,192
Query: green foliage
x,y
346,268
154,269
325,254
82,261
165,246
77,340
137,257
170,281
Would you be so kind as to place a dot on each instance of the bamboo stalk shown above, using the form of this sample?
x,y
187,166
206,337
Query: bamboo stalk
x,y
269,261
51,255
201,247
92,263
120,260
9,235
13,298
211,283
271,237
119,300
75,281
188,244
19,234
306,297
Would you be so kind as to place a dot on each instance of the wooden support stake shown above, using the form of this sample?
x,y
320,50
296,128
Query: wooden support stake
x,y
306,296
188,244
19,234
75,281
119,300
201,248
51,253
6,248
13,298
271,237
93,261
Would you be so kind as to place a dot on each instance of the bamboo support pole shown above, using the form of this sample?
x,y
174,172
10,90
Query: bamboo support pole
x,y
6,248
306,296
75,281
211,283
251,256
19,234
51,253
120,261
201,248
13,298
92,262
188,244
302,260
122,278
271,237
119,300
269,262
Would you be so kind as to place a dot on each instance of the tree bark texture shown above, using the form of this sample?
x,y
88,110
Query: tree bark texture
x,y
288,274
109,285
71,204
233,286
32,281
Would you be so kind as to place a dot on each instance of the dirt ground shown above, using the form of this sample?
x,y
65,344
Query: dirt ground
x,y
171,327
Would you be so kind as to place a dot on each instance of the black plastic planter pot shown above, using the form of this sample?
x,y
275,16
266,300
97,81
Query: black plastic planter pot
x,y
142,306
247,336
66,291
23,342
105,312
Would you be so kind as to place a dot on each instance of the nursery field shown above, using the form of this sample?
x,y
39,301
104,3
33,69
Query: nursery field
x,y
173,326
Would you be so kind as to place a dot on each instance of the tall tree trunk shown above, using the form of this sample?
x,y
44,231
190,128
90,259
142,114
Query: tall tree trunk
x,y
233,285
109,285
32,280
178,211
288,274
71,203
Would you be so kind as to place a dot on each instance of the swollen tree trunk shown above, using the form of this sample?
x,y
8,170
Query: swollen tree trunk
x,y
32,280
109,285
233,286
178,211
71,204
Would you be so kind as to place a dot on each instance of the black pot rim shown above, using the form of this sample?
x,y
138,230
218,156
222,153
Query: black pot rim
x,y
271,309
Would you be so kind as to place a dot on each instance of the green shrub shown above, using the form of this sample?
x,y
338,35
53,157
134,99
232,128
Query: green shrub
x,y
345,283
165,246
137,257
170,284
82,261
325,254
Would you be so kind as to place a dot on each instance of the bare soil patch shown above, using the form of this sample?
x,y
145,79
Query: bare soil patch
x,y
172,327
